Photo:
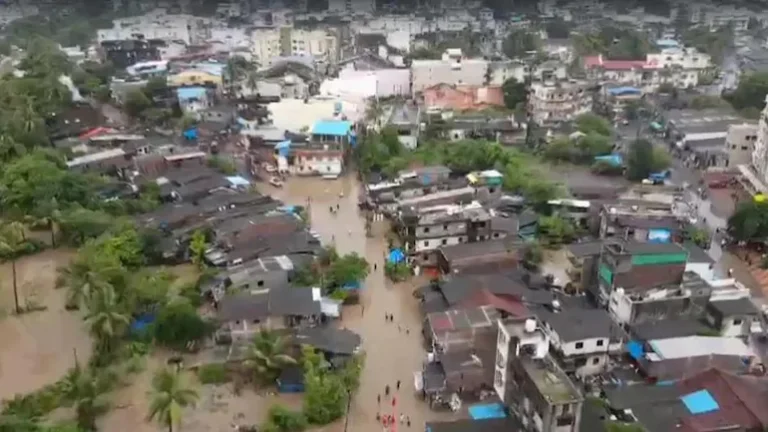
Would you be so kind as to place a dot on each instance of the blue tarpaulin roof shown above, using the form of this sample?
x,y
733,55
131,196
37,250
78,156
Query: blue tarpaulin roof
x,y
613,159
635,349
332,127
187,93
487,411
700,402
283,147
622,91
190,134
396,256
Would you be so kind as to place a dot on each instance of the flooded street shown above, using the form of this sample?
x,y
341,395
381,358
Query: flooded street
x,y
37,348
391,355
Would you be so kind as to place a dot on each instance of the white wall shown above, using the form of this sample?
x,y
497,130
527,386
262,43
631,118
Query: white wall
x,y
319,165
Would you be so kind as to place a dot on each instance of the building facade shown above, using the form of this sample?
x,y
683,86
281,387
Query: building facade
x,y
452,69
553,102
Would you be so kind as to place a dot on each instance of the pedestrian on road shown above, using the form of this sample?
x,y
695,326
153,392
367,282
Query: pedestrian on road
x,y
362,310
378,399
408,421
386,390
375,267
338,206
402,418
398,384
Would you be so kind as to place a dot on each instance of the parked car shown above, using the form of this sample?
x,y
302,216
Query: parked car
x,y
276,182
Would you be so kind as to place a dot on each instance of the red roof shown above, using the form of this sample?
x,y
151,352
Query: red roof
x,y
506,303
96,132
599,61
742,401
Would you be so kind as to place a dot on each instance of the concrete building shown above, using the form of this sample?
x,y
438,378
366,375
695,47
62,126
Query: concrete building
x,y
268,44
760,153
530,382
427,229
740,144
554,102
635,268
452,69
701,130
677,66
155,25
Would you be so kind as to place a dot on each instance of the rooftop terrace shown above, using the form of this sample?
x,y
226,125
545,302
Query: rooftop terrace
x,y
551,381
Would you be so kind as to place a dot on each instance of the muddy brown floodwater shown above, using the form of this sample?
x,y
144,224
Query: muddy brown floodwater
x,y
37,348
391,354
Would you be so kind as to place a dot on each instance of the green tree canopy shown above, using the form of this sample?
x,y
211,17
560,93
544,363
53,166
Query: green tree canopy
x,y
716,43
178,325
520,44
640,160
324,397
515,93
613,43
749,222
593,123
751,92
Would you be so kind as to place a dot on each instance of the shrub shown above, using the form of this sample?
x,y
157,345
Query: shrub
x,y
282,419
213,374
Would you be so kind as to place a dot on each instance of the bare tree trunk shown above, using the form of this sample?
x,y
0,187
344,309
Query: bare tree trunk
x,y
15,288
53,233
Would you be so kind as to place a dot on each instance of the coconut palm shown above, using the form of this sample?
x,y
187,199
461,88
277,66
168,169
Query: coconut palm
x,y
105,317
170,394
84,389
11,238
267,356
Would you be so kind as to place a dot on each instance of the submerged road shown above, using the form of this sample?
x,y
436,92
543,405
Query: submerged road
x,y
394,351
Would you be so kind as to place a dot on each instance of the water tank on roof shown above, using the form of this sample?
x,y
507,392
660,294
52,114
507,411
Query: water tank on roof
x,y
530,325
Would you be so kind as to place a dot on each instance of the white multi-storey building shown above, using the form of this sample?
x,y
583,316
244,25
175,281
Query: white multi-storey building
x,y
677,66
760,152
452,69
269,44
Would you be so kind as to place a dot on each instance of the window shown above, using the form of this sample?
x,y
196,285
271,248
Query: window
x,y
737,321
426,230
445,227
444,242
596,360
260,283
495,235
426,243
579,345
600,342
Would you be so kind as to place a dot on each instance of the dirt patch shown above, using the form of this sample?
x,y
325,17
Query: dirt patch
x,y
37,348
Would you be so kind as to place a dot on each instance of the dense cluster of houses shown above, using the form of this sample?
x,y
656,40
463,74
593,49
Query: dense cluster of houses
x,y
637,327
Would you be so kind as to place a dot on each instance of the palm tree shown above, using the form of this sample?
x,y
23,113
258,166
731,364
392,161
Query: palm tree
x,y
84,389
105,317
267,356
11,238
170,394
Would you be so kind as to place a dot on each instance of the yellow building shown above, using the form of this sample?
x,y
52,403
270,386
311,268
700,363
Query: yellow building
x,y
194,77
